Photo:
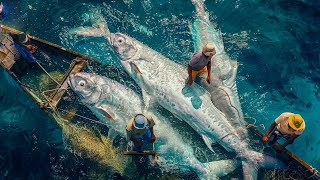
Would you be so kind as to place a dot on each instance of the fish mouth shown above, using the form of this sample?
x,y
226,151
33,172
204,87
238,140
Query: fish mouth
x,y
71,81
111,39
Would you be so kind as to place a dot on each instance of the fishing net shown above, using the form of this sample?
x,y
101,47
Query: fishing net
x,y
90,144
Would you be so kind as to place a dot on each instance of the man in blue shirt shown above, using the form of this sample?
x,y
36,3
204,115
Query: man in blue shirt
x,y
140,131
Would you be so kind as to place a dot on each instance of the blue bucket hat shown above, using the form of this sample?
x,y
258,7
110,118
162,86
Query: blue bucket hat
x,y
140,121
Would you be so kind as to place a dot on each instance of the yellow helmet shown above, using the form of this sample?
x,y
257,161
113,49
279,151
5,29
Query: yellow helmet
x,y
296,122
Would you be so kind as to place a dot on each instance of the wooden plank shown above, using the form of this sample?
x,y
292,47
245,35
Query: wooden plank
x,y
8,53
289,153
76,66
146,152
5,29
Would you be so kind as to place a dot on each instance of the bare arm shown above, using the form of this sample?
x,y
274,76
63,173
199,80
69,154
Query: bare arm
x,y
28,39
190,75
271,127
209,71
151,130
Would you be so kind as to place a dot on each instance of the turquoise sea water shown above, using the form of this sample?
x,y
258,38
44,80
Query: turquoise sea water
x,y
275,42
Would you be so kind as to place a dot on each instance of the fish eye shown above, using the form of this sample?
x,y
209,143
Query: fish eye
x,y
120,40
82,83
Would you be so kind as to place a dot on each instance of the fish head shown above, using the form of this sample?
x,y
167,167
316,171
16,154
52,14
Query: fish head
x,y
130,52
124,46
86,86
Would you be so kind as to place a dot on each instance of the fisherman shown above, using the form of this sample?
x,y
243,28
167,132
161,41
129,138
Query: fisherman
x,y
27,44
140,131
23,44
200,63
289,126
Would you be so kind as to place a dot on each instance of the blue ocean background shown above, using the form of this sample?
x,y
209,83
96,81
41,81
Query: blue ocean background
x,y
275,42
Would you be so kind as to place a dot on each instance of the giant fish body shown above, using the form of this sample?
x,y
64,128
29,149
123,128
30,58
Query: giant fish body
x,y
98,92
165,77
164,81
223,88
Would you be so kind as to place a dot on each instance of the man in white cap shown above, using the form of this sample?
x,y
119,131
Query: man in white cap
x,y
140,131
200,63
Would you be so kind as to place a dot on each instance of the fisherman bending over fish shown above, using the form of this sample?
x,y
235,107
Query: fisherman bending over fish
x,y
140,131
289,126
200,63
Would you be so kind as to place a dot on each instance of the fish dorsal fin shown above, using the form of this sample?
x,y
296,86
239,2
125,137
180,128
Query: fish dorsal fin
x,y
250,171
233,72
104,110
148,100
208,142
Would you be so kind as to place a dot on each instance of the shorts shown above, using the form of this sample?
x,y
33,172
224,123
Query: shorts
x,y
196,73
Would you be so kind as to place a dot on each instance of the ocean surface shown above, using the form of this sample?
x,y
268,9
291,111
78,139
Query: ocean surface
x,y
277,44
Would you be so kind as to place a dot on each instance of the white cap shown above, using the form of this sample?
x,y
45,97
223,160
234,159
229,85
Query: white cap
x,y
209,49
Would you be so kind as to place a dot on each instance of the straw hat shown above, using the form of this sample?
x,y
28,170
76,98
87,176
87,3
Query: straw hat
x,y
296,122
209,49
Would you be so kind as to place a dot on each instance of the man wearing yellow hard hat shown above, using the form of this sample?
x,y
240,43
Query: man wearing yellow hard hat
x,y
289,126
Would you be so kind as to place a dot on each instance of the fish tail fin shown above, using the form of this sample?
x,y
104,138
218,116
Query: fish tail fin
x,y
215,169
265,161
250,170
98,29
254,160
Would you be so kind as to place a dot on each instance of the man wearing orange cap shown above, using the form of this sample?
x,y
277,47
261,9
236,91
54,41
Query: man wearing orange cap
x,y
289,126
200,63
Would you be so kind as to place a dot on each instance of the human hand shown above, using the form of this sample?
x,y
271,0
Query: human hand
x,y
265,138
208,79
153,138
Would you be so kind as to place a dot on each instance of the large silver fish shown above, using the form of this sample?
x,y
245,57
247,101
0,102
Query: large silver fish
x,y
102,97
98,92
223,88
167,83
164,81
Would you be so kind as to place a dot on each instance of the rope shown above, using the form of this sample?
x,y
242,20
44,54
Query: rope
x,y
253,124
95,121
249,124
48,73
